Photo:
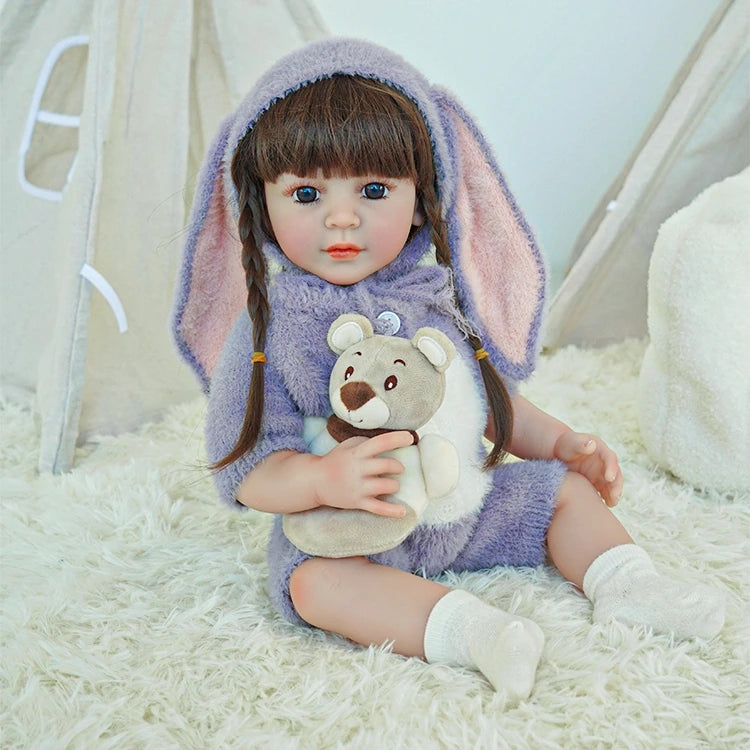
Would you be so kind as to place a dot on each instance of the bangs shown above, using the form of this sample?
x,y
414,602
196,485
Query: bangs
x,y
343,126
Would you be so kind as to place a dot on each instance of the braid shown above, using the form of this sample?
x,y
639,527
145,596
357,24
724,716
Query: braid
x,y
254,263
259,310
501,409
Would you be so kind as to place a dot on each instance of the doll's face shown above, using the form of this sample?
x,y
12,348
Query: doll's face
x,y
341,229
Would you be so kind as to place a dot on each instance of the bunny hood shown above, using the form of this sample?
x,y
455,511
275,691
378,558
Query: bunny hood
x,y
498,270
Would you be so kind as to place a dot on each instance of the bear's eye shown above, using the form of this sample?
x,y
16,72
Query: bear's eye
x,y
349,372
391,382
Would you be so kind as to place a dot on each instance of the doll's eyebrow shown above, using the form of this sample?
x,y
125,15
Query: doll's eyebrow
x,y
396,361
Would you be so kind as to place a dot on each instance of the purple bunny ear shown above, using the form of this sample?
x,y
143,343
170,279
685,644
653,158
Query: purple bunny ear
x,y
212,289
500,274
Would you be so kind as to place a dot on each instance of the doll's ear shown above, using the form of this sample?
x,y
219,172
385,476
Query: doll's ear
x,y
347,330
211,288
499,271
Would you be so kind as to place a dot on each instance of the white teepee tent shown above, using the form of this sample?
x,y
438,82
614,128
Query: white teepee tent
x,y
700,135
106,112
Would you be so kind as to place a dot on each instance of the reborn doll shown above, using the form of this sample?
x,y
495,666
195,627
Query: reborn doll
x,y
346,183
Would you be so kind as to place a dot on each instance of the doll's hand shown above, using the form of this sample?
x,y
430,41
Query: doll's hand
x,y
352,474
592,457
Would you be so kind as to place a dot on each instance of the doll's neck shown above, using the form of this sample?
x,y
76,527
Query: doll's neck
x,y
340,430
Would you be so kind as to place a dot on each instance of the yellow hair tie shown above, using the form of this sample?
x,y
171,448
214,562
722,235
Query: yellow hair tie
x,y
481,354
258,357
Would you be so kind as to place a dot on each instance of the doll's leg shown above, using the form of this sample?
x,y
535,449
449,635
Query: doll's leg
x,y
370,603
365,602
591,548
431,620
582,528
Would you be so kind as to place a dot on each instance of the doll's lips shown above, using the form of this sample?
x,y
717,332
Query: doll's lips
x,y
343,251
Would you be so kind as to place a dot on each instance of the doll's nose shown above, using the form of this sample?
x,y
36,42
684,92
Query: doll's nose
x,y
342,216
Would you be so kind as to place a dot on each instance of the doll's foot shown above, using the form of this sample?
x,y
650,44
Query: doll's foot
x,y
667,606
508,656
505,648
623,584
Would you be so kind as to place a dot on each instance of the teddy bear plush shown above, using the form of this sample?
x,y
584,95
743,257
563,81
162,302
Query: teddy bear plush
x,y
380,384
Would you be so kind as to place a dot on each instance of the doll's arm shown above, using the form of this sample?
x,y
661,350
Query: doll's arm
x,y
534,431
537,434
350,476
282,425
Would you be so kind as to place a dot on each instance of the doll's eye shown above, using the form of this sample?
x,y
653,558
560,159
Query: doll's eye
x,y
305,194
390,382
375,191
348,372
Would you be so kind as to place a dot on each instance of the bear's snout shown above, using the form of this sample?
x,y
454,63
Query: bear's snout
x,y
356,395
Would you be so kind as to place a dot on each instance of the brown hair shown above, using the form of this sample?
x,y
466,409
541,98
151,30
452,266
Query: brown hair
x,y
343,126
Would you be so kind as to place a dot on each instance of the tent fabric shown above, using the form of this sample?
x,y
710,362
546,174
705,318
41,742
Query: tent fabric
x,y
699,136
31,256
119,133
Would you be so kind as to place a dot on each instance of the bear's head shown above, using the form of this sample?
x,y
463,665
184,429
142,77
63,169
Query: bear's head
x,y
385,382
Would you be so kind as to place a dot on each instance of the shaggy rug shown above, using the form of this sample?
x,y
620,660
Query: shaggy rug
x,y
135,613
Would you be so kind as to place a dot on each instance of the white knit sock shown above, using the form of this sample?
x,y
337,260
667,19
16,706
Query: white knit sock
x,y
465,631
622,583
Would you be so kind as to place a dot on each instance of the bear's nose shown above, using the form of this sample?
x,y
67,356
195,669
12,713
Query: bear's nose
x,y
355,395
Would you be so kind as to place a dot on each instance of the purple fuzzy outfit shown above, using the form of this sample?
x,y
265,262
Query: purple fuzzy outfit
x,y
495,518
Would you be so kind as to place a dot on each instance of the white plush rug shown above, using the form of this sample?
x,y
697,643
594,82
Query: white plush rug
x,y
134,611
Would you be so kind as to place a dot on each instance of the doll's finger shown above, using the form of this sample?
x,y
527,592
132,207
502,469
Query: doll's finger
x,y
611,500
611,467
352,442
579,445
604,492
381,466
382,486
615,491
388,441
587,445
383,508
610,491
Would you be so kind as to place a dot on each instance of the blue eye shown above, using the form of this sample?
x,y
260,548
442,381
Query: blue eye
x,y
305,194
375,191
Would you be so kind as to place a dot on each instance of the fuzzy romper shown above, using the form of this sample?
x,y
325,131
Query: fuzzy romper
x,y
496,517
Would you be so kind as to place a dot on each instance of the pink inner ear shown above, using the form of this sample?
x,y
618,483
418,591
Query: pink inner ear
x,y
496,257
217,287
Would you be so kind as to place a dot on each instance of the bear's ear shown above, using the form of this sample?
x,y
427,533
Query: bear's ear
x,y
436,346
348,330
